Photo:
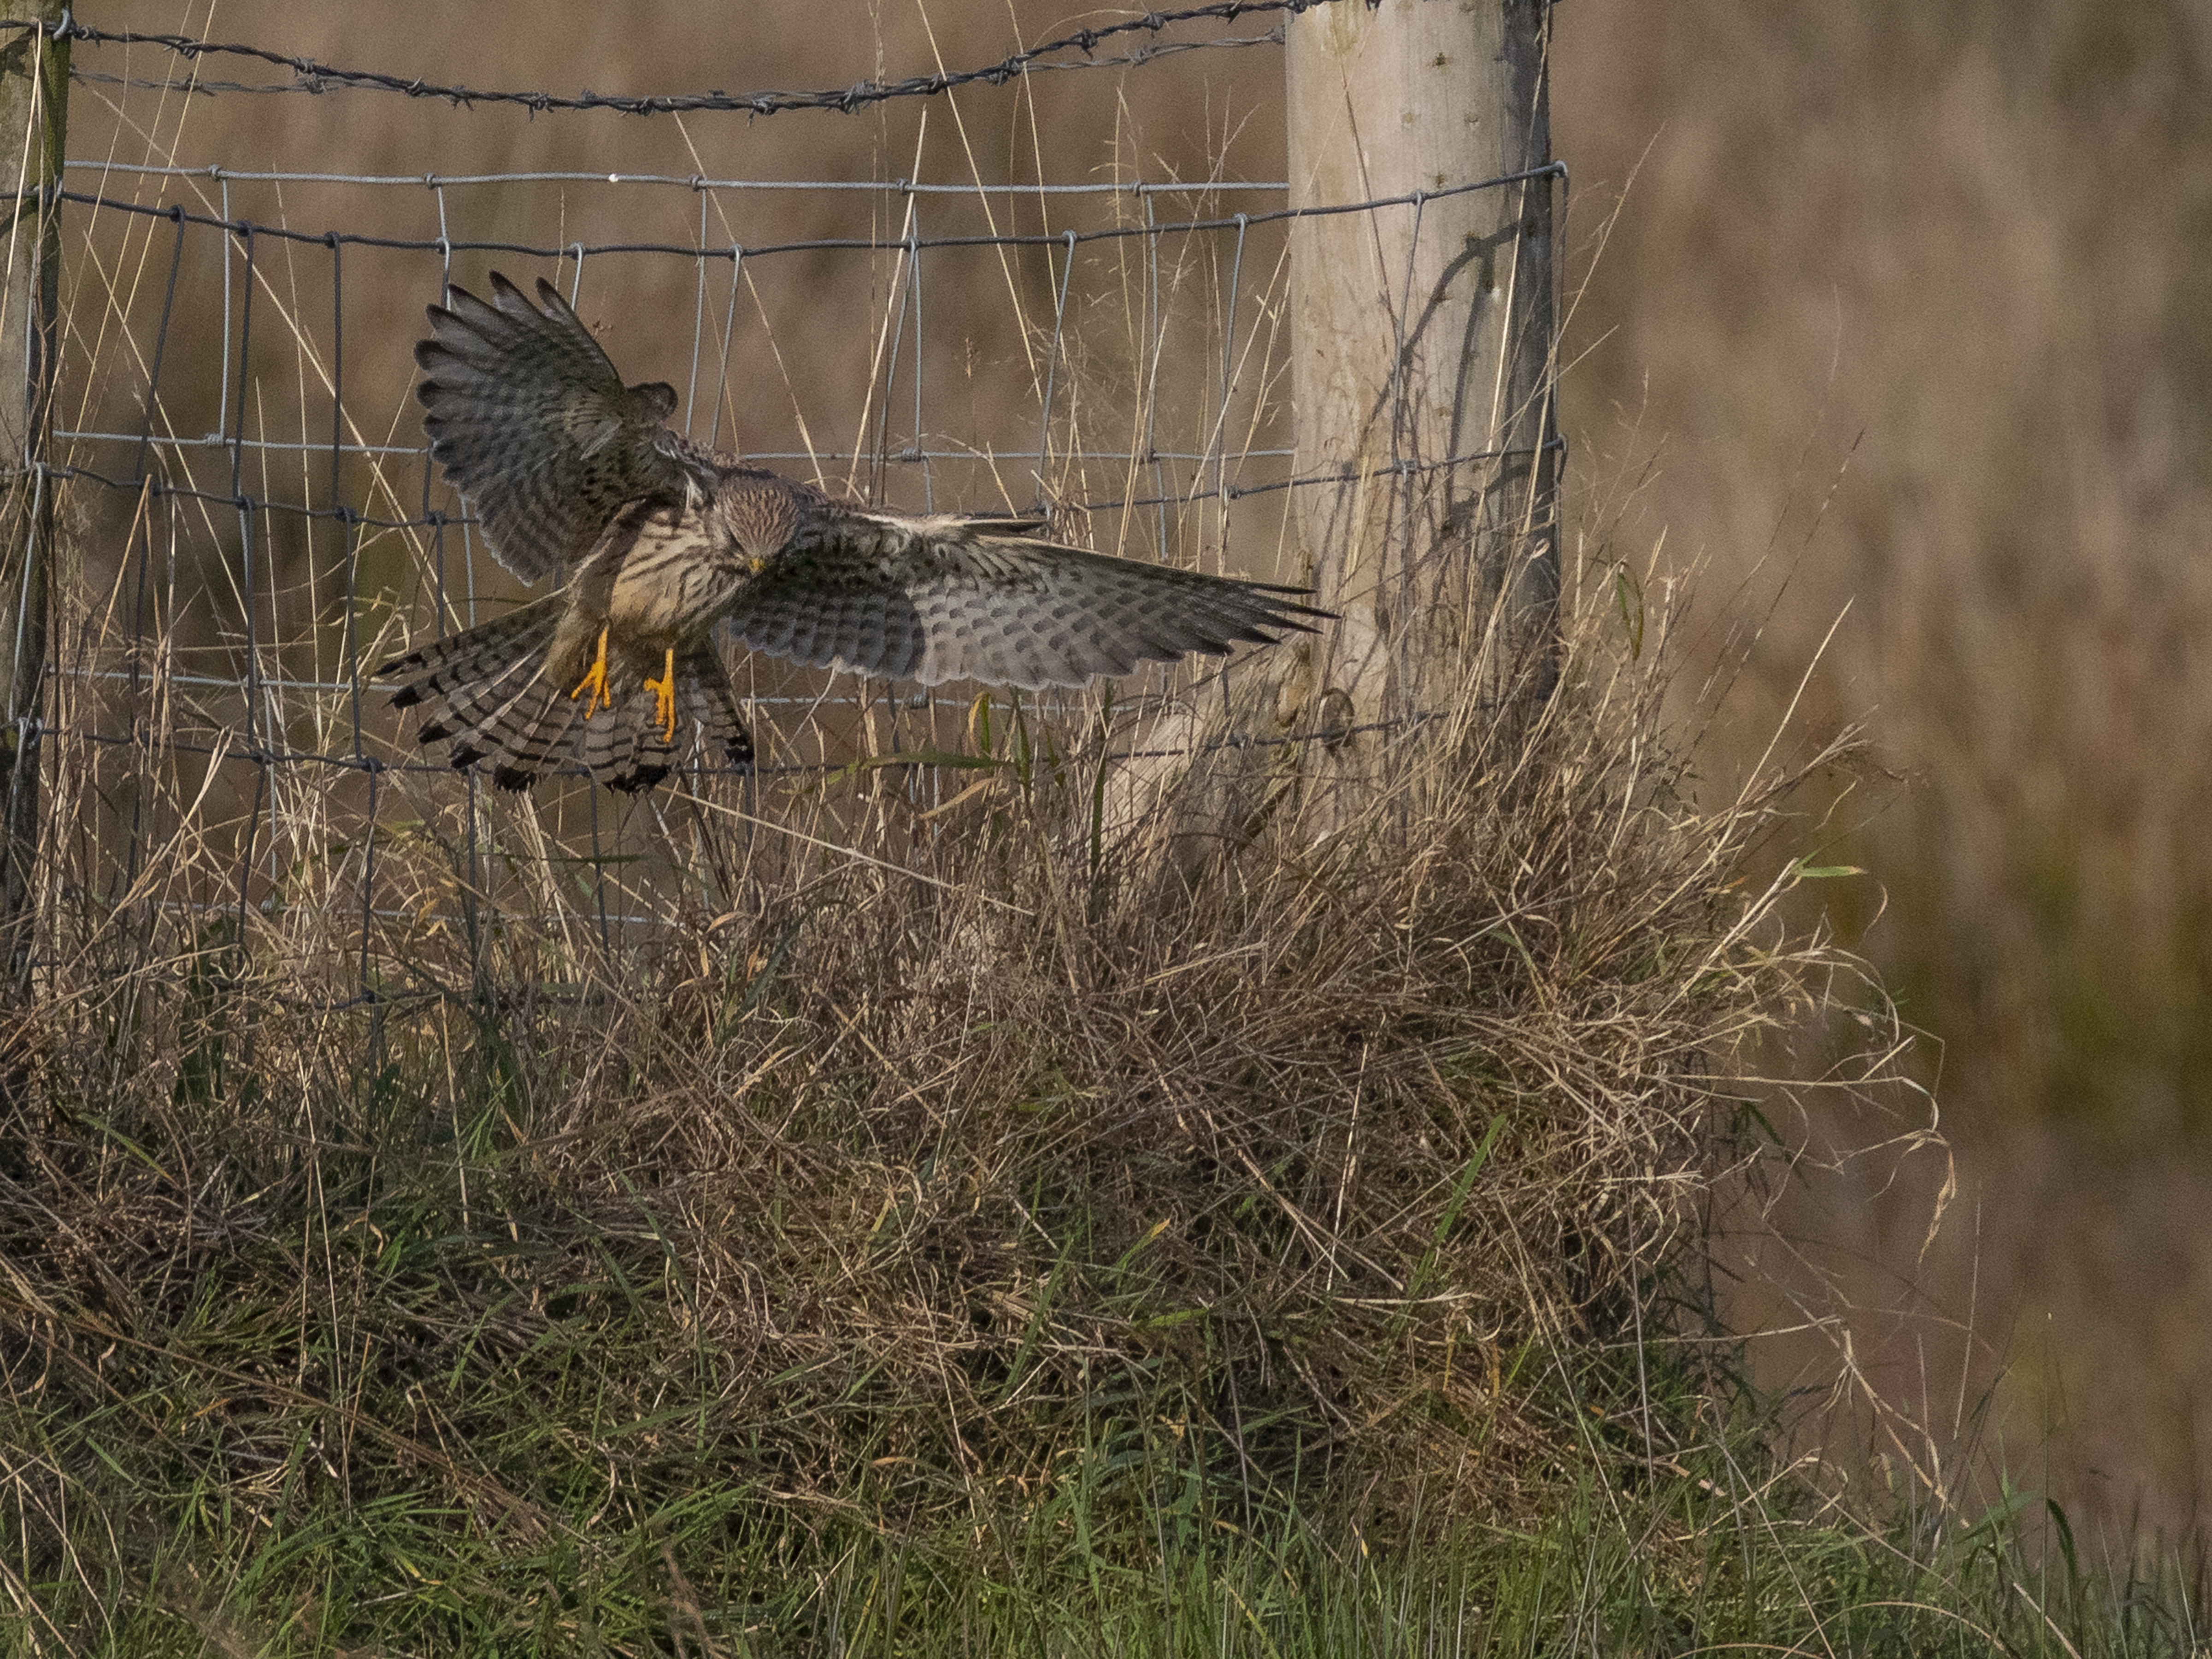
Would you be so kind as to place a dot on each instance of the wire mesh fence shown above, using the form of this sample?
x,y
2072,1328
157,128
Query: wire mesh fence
x,y
253,524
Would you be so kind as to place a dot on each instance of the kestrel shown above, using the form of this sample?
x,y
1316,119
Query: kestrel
x,y
653,540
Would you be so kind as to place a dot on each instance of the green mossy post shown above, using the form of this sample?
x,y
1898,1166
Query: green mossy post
x,y
1421,334
34,119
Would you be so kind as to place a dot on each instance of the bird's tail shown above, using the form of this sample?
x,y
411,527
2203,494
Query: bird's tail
x,y
449,667
626,747
707,700
486,689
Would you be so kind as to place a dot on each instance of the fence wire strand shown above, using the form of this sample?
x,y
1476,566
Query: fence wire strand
x,y
312,77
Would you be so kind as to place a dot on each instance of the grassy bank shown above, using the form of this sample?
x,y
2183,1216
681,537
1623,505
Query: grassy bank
x,y
571,1501
1114,1206
513,1436
1109,1229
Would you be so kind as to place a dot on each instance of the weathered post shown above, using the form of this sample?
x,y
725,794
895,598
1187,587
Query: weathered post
x,y
1423,343
33,117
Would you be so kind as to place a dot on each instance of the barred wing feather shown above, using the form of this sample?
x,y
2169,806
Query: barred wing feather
x,y
533,424
938,599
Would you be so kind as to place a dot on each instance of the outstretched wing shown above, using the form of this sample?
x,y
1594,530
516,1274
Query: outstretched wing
x,y
533,425
946,599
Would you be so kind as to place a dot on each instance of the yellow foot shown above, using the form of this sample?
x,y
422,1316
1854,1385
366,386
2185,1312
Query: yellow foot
x,y
664,698
595,682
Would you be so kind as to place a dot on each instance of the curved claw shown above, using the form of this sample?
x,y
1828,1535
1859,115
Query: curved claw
x,y
664,698
595,681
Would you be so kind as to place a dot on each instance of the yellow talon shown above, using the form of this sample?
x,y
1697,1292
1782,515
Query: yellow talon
x,y
595,682
664,698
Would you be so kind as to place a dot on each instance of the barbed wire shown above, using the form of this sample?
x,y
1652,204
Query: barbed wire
x,y
1142,55
313,77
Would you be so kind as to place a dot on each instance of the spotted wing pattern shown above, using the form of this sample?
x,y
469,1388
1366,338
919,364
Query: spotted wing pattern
x,y
532,423
943,598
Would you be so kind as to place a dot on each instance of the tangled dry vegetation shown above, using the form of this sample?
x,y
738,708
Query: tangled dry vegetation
x,y
1176,1153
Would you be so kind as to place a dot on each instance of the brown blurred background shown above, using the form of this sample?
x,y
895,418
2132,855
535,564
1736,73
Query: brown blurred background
x,y
1910,310
1905,316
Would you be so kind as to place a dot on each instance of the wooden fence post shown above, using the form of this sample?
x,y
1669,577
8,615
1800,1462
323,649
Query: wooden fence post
x,y
34,119
1423,335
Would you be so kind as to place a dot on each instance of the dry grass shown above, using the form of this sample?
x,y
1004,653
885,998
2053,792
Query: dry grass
x,y
926,1157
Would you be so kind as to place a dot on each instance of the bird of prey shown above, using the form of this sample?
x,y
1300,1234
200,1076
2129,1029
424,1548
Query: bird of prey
x,y
653,540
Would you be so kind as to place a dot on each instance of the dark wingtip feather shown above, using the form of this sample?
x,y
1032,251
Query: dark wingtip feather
x,y
1285,611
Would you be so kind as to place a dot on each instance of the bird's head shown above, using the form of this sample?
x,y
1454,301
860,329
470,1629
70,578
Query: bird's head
x,y
758,515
